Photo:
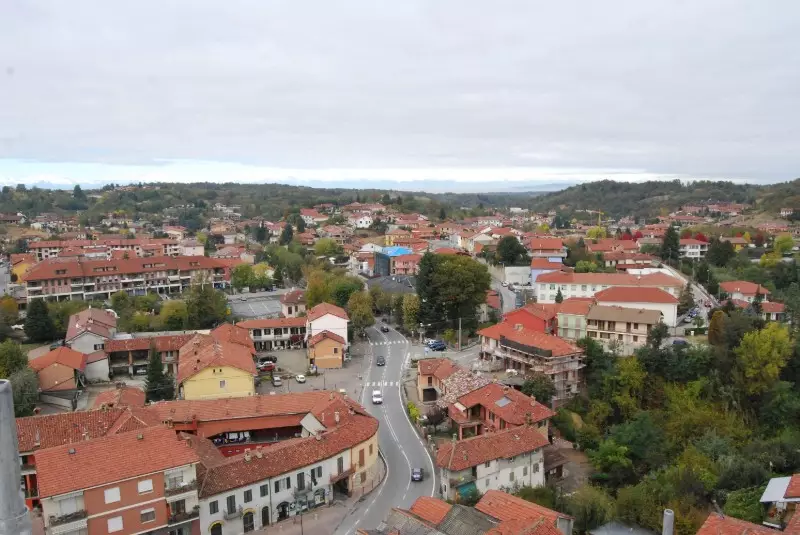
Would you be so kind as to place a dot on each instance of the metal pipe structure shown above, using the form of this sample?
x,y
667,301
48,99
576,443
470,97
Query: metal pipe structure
x,y
14,519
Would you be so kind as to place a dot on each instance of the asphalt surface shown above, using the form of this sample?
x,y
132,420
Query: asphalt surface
x,y
399,443
507,297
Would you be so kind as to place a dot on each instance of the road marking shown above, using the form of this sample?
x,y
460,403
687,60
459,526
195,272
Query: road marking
x,y
411,424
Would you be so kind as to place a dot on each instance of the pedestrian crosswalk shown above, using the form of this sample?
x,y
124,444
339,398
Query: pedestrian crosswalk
x,y
388,343
382,383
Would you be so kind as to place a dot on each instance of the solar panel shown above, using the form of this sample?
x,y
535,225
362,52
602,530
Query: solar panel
x,y
502,402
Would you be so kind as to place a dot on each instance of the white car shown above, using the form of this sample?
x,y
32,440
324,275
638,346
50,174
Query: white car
x,y
377,397
504,284
18,327
300,378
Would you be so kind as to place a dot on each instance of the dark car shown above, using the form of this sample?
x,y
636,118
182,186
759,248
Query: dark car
x,y
438,346
384,329
268,358
417,474
385,320
380,361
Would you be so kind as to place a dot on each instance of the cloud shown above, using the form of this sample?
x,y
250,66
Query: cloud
x,y
452,89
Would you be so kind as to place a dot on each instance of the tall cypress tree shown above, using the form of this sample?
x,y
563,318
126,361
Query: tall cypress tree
x,y
157,385
670,248
38,323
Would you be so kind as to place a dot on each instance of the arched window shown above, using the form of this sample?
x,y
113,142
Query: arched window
x,y
248,521
216,529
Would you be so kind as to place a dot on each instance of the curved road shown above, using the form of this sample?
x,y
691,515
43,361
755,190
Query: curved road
x,y
399,443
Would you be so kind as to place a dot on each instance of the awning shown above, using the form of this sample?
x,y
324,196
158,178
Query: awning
x,y
776,490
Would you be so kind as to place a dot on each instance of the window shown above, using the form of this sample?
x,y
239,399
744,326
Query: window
x,y
511,476
583,287
148,515
318,472
114,524
222,383
488,464
430,381
213,507
248,522
524,471
552,286
536,468
112,495
301,481
175,481
340,465
231,503
248,496
635,338
98,347
370,449
264,490
335,350
145,486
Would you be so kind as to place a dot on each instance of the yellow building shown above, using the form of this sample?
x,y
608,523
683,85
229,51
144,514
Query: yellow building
x,y
212,369
364,463
20,263
326,350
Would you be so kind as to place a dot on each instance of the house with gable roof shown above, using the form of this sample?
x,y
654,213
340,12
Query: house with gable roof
x,y
213,369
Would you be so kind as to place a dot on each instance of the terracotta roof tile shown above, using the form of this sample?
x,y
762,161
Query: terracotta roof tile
x,y
628,294
577,306
96,462
477,450
556,345
743,287
94,320
793,489
504,507
120,397
46,269
622,314
47,431
609,279
285,456
63,356
294,297
431,510
717,524
235,334
272,323
203,352
545,244
317,338
544,263
162,343
326,308
515,410
772,308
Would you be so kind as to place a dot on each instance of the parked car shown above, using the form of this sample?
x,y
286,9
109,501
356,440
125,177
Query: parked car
x,y
18,327
265,366
300,378
377,397
384,329
380,361
243,298
438,346
417,474
268,358
504,284
385,320
679,342
276,380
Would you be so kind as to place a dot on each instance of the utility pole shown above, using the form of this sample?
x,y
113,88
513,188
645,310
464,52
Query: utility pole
x,y
459,333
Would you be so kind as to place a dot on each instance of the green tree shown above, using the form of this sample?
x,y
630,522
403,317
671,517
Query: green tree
x,y
644,440
12,358
38,324
359,308
242,276
459,287
286,235
544,496
720,252
327,247
8,309
158,386
744,504
597,233
590,507
585,266
25,389
206,306
316,288
559,296
397,307
539,387
410,309
174,315
685,300
670,246
613,463
783,244
511,252
762,355
341,288
780,407
121,303
716,329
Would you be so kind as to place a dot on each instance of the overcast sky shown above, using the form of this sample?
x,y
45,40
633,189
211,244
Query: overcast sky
x,y
452,90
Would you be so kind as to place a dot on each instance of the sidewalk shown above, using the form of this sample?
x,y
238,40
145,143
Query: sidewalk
x,y
325,520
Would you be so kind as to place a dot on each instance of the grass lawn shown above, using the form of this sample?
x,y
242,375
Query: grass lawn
x,y
698,339
28,347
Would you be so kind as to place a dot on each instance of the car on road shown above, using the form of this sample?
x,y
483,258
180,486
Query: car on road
x,y
385,320
276,380
438,346
504,284
265,366
380,361
300,378
384,329
377,397
417,474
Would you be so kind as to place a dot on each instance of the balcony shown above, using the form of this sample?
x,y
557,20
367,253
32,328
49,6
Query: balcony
x,y
236,513
68,518
27,469
185,516
180,489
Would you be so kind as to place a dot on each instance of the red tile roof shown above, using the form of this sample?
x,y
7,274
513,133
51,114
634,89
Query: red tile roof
x,y
46,269
545,244
234,334
627,294
203,352
46,431
530,338
544,263
94,320
245,469
505,507
294,297
717,524
272,323
482,448
125,396
793,489
609,279
326,308
743,287
171,342
96,462
518,408
439,368
772,308
429,509
692,241
63,356
577,306
525,526
493,300
317,338
611,244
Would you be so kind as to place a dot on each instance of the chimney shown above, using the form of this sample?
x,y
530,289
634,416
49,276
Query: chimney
x,y
517,326
13,513
669,522
247,456
259,452
336,416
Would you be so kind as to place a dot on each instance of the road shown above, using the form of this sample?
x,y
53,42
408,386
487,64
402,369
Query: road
x,y
507,297
399,443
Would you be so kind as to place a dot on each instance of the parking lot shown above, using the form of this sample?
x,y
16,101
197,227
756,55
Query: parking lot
x,y
255,307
